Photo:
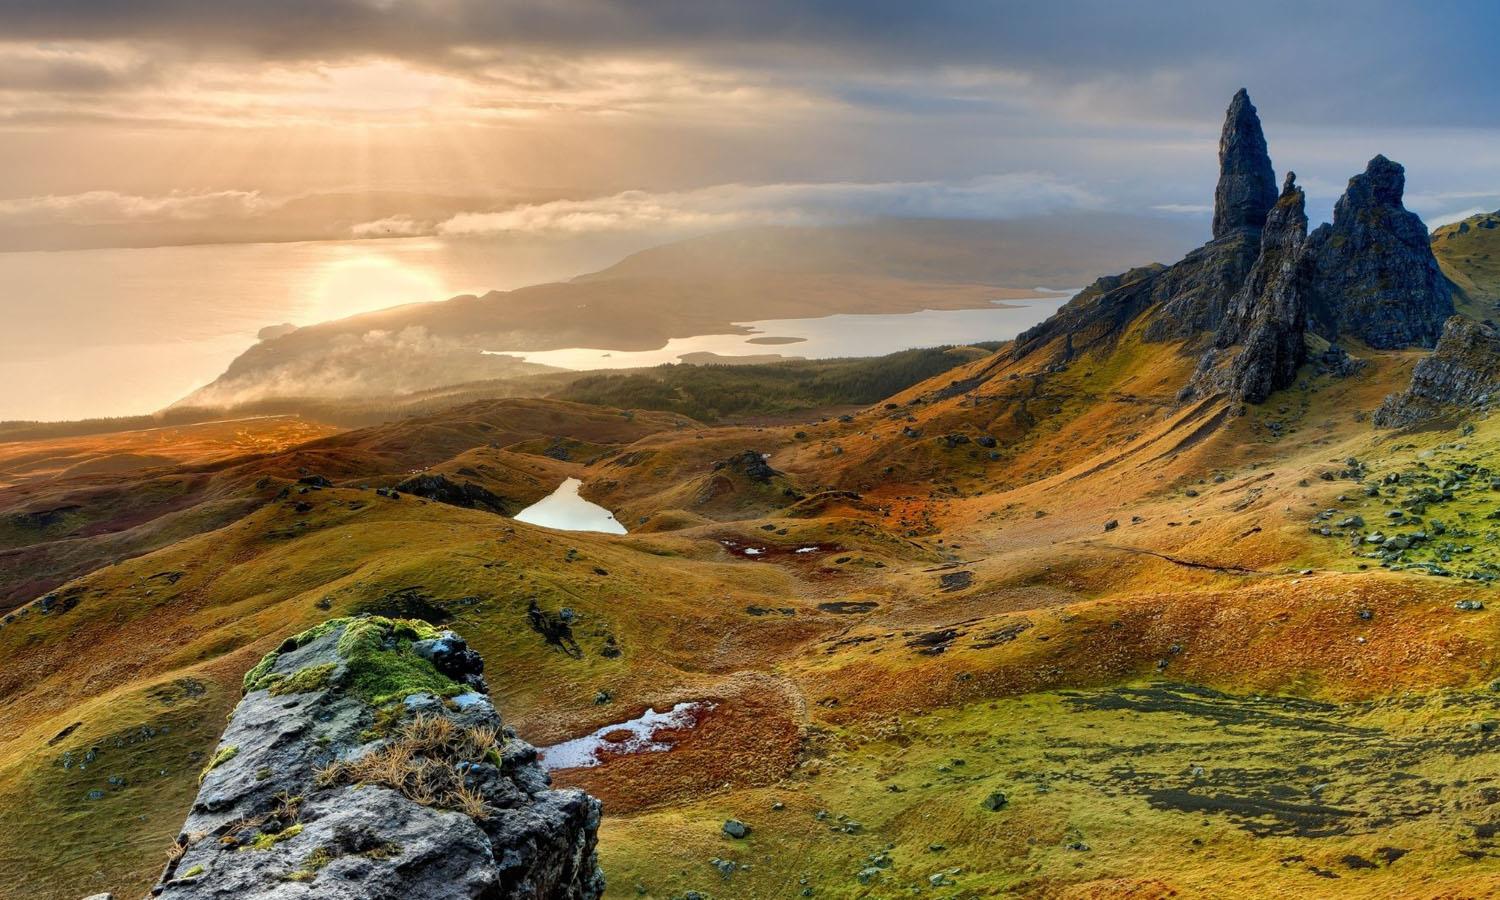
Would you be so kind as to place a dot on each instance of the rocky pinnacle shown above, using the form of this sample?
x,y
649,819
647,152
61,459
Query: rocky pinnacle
x,y
1247,183
1374,275
1259,346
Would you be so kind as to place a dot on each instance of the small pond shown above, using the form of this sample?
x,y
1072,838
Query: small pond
x,y
564,510
638,735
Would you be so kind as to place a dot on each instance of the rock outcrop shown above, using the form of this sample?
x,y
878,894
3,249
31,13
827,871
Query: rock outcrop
x,y
1195,295
366,761
1462,375
1260,344
1187,301
1192,297
1373,273
443,489
1247,183
1248,299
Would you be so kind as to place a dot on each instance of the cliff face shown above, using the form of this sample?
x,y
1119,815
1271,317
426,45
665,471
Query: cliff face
x,y
1461,375
1259,346
1374,276
366,761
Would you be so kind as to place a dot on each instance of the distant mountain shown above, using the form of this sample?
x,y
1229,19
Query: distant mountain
x,y
1057,251
693,287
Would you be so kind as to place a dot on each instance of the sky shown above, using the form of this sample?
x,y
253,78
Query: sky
x,y
129,121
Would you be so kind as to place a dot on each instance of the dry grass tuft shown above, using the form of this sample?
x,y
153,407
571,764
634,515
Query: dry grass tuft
x,y
421,762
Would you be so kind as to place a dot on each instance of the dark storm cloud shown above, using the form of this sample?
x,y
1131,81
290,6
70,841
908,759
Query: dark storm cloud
x,y
1376,63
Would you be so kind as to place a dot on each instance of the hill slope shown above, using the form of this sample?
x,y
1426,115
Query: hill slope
x,y
1043,625
1469,252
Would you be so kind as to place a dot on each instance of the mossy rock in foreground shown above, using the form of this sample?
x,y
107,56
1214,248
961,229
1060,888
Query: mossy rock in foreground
x,y
365,759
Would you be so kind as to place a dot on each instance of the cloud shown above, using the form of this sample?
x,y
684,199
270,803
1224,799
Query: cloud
x,y
113,208
1185,209
735,205
73,67
1171,58
572,98
392,226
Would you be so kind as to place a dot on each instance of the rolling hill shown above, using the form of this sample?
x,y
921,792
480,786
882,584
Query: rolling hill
x,y
1084,616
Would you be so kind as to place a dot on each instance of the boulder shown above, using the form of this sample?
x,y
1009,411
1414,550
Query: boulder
x,y
363,763
750,463
443,489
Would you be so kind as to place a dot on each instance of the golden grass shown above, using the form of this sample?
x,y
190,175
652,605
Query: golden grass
x,y
421,762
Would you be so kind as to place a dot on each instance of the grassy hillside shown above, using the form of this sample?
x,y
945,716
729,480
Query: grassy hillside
x,y
1469,254
712,393
1152,628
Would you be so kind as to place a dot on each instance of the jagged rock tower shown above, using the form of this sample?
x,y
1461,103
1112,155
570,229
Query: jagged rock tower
x,y
1374,275
1247,183
1247,297
1268,315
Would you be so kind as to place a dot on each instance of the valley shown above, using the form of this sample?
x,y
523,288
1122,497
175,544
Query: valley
x,y
1184,591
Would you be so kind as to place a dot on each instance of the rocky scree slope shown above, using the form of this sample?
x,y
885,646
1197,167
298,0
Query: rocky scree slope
x,y
366,761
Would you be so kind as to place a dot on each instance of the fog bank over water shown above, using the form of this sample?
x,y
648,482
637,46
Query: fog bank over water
x,y
129,331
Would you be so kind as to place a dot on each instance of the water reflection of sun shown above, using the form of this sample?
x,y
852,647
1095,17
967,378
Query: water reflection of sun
x,y
365,282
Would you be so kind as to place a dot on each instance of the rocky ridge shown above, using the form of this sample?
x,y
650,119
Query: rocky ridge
x,y
366,761
1462,373
1247,299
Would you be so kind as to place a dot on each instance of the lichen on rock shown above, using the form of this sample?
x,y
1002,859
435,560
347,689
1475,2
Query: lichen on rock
x,y
366,760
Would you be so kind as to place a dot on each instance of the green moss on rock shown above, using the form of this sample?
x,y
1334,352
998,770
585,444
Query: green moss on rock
x,y
224,755
260,675
312,678
377,654
264,841
381,665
